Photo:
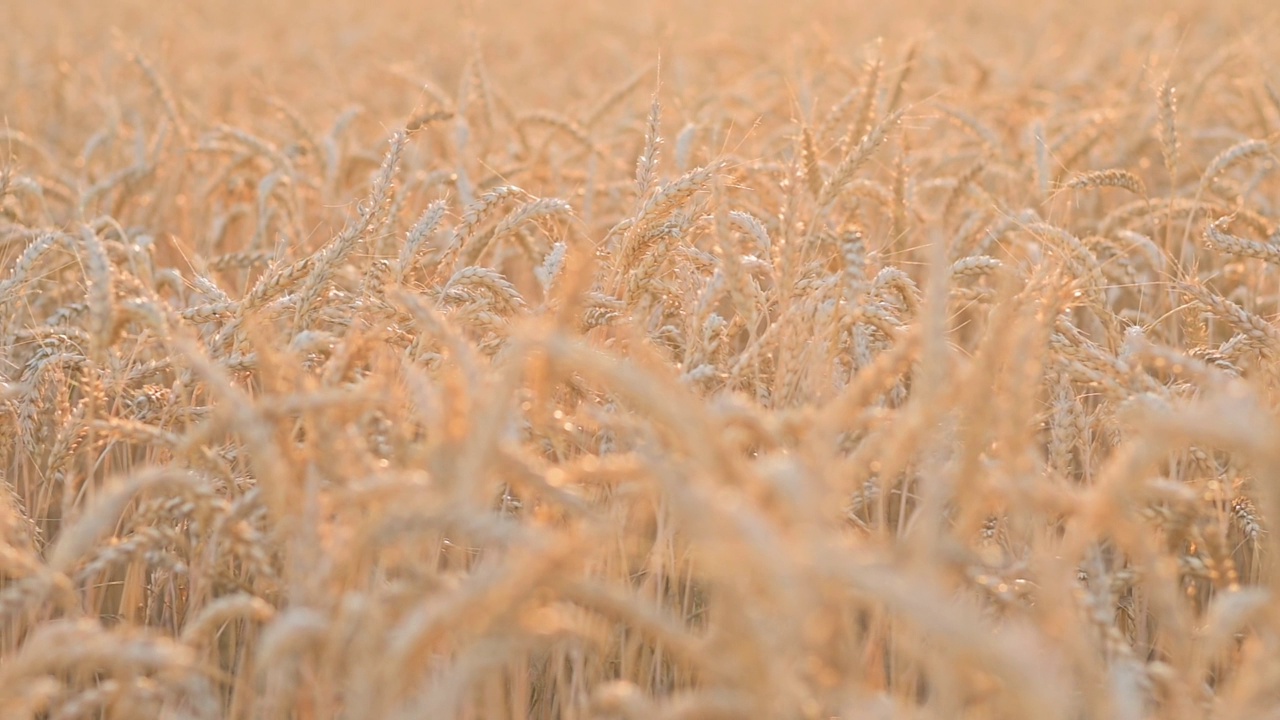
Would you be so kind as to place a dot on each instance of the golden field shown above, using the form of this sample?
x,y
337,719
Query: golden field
x,y
610,360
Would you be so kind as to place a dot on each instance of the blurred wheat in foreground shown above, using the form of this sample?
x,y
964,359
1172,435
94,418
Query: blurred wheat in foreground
x,y
589,361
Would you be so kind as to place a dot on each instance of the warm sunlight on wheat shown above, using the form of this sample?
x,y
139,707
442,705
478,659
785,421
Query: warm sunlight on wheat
x,y
609,360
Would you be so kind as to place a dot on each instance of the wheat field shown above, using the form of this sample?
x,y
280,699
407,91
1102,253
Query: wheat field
x,y
616,361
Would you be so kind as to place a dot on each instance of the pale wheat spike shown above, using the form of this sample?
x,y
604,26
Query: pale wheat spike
x,y
551,266
647,163
1114,177
489,281
473,216
1168,129
849,165
223,610
671,196
752,225
615,98
422,230
542,208
975,266
1236,153
975,126
861,124
1257,332
900,85
560,124
1220,163
1233,245
101,296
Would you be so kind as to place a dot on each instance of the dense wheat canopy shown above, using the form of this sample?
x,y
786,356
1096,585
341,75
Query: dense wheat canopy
x,y
602,360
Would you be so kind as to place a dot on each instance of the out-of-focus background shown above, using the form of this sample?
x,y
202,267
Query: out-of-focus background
x,y
561,54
